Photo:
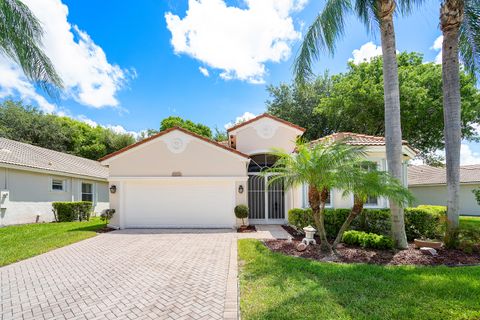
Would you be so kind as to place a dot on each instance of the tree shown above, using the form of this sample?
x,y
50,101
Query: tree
x,y
460,25
220,135
322,167
323,33
20,39
197,128
371,182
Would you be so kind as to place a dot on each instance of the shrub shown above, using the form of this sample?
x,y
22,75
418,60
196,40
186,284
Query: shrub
x,y
106,215
72,211
241,212
420,222
367,240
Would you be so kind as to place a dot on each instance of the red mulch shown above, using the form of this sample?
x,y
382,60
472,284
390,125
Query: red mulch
x,y
246,229
105,230
352,254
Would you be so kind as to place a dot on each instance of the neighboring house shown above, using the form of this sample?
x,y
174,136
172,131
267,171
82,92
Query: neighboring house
x,y
429,186
31,178
179,179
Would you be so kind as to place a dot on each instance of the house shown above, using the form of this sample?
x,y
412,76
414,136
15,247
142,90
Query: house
x,y
429,186
31,178
179,179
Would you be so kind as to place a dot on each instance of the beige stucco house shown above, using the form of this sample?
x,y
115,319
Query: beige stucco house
x,y
429,186
31,178
179,179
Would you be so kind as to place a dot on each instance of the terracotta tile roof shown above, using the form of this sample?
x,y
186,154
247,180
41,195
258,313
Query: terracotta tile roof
x,y
266,115
108,156
30,156
356,139
423,175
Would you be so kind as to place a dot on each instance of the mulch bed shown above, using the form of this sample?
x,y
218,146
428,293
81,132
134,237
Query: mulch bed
x,y
247,229
352,254
105,230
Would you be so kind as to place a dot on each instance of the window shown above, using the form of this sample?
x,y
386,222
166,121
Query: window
x,y
372,201
87,192
371,165
58,185
305,202
259,162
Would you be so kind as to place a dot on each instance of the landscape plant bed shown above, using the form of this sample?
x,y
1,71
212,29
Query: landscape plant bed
x,y
247,229
105,230
351,254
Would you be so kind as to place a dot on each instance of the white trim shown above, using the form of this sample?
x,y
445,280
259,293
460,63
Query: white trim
x,y
64,184
49,172
200,178
106,162
280,124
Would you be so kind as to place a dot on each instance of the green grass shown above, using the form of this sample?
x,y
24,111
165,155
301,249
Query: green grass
x,y
25,241
275,286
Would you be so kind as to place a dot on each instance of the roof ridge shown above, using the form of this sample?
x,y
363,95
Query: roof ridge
x,y
267,115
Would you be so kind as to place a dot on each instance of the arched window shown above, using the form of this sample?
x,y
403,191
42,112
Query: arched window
x,y
260,162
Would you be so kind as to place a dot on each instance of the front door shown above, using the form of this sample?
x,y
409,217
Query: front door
x,y
266,201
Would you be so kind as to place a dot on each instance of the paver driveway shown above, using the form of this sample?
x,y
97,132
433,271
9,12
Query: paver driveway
x,y
144,274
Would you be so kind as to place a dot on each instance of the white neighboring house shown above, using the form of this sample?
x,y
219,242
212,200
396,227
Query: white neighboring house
x,y
179,179
31,178
429,186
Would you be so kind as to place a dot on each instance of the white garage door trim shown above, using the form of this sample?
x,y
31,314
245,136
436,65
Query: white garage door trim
x,y
130,189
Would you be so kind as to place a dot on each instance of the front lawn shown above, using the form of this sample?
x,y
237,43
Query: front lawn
x,y
275,286
25,241
470,223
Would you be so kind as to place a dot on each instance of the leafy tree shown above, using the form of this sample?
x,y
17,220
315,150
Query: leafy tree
x,y
328,26
220,135
322,167
20,39
29,125
197,128
371,182
460,25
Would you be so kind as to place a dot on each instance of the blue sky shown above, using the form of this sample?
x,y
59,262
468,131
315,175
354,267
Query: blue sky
x,y
129,66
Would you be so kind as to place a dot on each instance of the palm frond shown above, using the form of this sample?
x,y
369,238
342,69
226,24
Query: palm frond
x,y
20,39
469,41
321,36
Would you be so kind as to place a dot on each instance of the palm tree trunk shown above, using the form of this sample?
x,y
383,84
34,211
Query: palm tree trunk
x,y
393,130
318,207
356,210
451,17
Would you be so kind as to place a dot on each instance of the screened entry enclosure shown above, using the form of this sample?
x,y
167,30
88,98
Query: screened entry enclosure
x,y
266,199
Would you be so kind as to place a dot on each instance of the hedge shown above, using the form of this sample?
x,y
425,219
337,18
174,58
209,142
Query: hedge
x,y
72,211
367,240
422,221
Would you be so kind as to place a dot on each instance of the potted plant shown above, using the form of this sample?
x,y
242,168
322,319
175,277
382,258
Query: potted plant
x,y
241,212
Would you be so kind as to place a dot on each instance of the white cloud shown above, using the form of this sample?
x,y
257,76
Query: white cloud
x,y
244,117
115,128
366,52
437,46
204,71
467,156
87,120
88,76
237,41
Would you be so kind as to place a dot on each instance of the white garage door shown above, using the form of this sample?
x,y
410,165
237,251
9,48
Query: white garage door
x,y
179,203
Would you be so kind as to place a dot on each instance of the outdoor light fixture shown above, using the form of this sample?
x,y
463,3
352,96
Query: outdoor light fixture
x,y
240,189
309,234
113,188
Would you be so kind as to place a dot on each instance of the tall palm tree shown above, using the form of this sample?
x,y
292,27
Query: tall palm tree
x,y
460,25
371,182
20,39
328,26
322,167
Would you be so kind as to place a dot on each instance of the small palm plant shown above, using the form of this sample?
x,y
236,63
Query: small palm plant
x,y
323,166
371,182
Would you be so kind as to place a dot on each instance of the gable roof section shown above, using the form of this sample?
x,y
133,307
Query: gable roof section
x,y
266,115
29,156
427,175
155,136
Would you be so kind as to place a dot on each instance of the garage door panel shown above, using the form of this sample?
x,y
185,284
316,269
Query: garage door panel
x,y
179,204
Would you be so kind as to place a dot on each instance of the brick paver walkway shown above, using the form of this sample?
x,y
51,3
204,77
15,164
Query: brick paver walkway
x,y
132,274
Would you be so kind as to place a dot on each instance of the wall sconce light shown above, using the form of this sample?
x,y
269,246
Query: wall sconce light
x,y
113,188
240,189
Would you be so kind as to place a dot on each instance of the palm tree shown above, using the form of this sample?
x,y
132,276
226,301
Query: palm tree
x,y
328,26
323,166
460,25
371,182
20,39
